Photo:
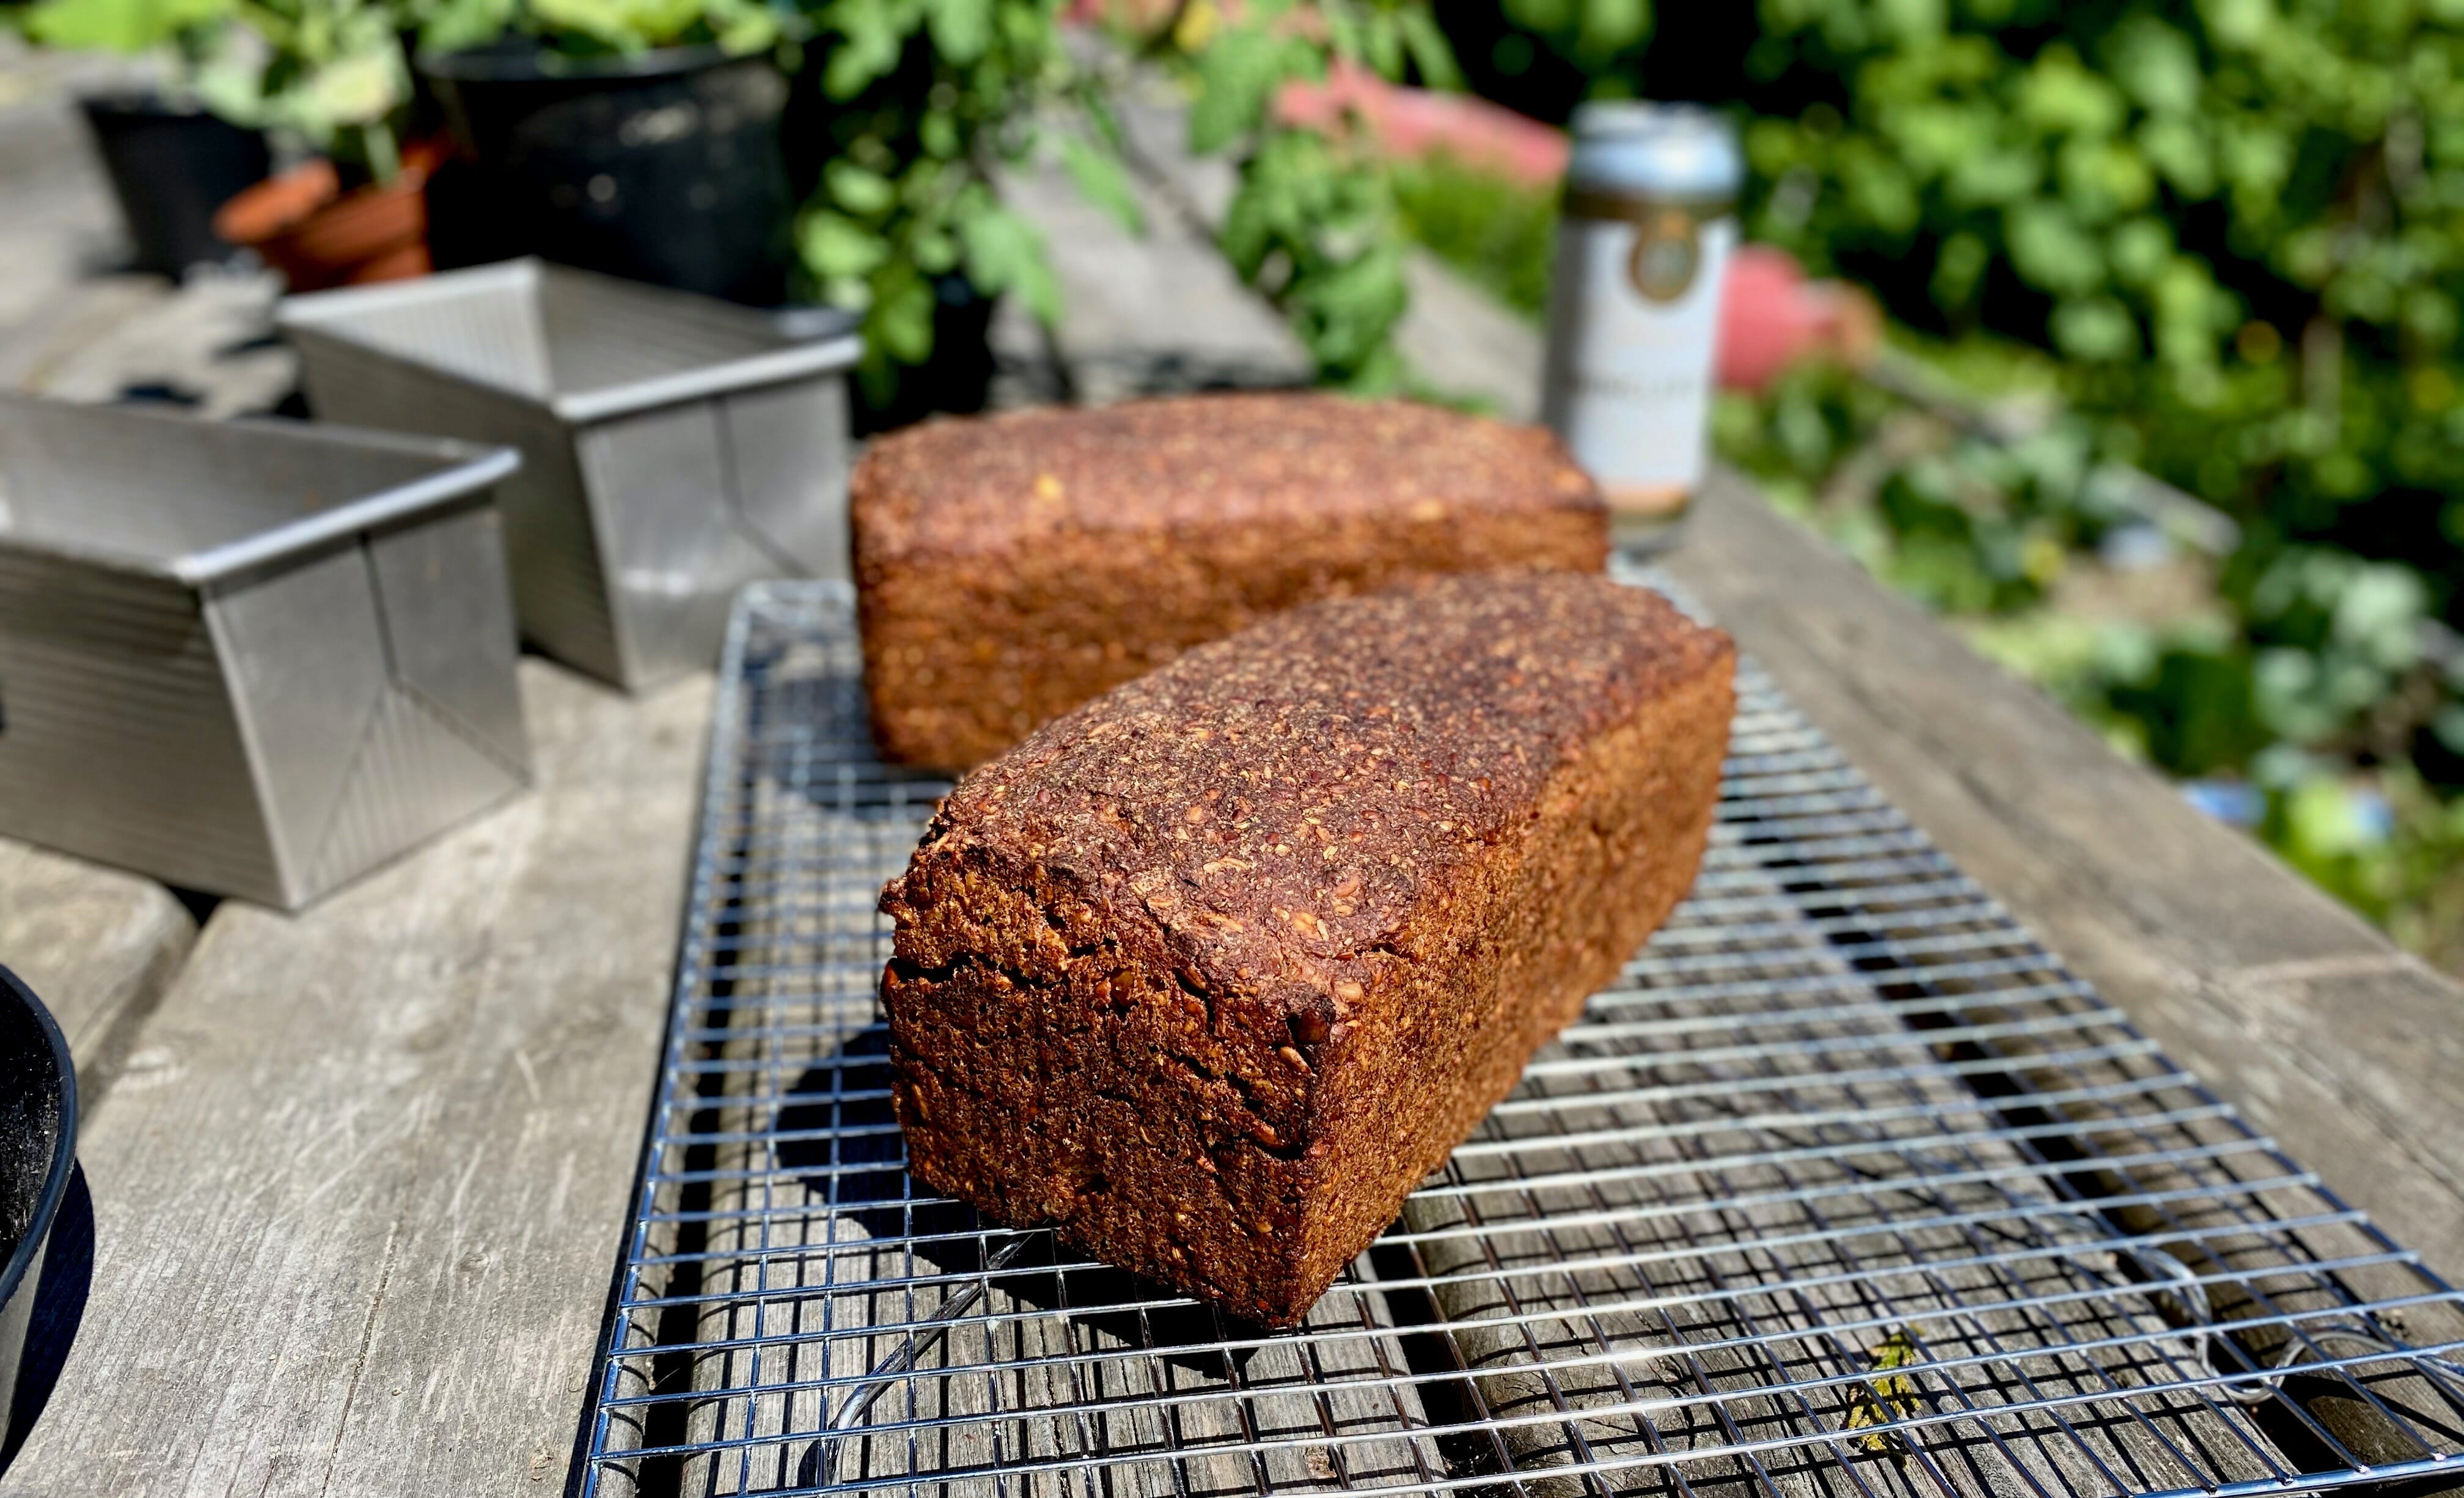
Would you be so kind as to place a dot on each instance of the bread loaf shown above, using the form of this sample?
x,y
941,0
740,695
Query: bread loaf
x,y
1211,972
1011,568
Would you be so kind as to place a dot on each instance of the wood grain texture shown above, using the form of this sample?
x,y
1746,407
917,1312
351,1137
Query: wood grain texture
x,y
98,946
2281,1000
360,1186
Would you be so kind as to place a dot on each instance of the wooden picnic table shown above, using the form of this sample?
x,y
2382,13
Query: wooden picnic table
x,y
358,1176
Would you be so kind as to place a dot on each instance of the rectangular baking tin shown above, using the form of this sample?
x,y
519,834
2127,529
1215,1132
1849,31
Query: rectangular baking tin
x,y
254,658
674,448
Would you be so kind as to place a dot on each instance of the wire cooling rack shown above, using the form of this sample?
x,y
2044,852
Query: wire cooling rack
x,y
1846,1187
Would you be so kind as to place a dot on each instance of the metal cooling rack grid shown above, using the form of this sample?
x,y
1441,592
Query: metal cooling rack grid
x,y
1846,1187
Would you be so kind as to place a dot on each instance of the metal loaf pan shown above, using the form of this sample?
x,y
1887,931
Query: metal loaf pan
x,y
256,658
674,448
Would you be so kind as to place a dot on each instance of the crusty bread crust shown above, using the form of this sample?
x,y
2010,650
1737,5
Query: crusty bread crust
x,y
1213,971
1010,568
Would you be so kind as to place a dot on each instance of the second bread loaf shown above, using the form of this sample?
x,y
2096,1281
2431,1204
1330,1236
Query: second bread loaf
x,y
1011,568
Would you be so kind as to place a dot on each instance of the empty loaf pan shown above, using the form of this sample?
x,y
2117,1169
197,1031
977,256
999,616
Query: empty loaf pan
x,y
256,658
674,448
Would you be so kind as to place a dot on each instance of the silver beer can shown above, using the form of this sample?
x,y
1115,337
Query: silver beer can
x,y
1634,303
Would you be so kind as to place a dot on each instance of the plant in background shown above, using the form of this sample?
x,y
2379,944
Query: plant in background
x,y
2238,224
330,71
1314,223
598,26
922,99
1499,232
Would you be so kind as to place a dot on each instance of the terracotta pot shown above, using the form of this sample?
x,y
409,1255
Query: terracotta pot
x,y
305,225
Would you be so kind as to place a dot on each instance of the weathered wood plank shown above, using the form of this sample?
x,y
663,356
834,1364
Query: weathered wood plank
x,y
360,1185
98,946
207,344
2278,998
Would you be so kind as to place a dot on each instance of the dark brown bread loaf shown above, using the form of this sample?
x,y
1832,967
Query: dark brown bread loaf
x,y
1213,971
1010,568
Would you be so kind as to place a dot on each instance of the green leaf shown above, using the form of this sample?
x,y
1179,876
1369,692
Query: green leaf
x,y
1099,176
935,252
2058,94
870,42
2141,249
119,25
2156,65
858,189
900,321
835,245
1003,254
1432,54
452,25
961,28
1381,45
742,28
2094,328
2048,249
1344,33
1236,76
628,25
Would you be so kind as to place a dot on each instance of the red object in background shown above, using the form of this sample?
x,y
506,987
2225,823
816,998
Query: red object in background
x,y
1771,316
303,224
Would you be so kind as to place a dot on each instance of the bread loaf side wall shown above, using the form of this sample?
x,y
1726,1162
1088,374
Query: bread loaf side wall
x,y
1611,849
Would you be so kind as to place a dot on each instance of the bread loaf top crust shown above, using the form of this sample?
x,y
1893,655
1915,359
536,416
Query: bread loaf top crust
x,y
977,485
1283,802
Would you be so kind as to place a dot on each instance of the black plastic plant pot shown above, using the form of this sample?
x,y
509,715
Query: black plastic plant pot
x,y
663,167
37,1152
170,167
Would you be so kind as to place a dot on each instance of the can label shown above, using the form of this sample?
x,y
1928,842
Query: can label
x,y
1633,313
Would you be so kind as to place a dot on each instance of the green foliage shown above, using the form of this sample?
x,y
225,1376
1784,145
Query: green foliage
x,y
330,70
124,26
1314,223
2242,225
1498,232
1315,230
920,99
739,26
2306,681
334,72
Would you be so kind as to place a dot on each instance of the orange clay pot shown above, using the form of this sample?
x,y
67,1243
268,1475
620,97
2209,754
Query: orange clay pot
x,y
305,225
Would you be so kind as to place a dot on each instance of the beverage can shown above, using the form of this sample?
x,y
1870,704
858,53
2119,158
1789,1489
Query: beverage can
x,y
1634,304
